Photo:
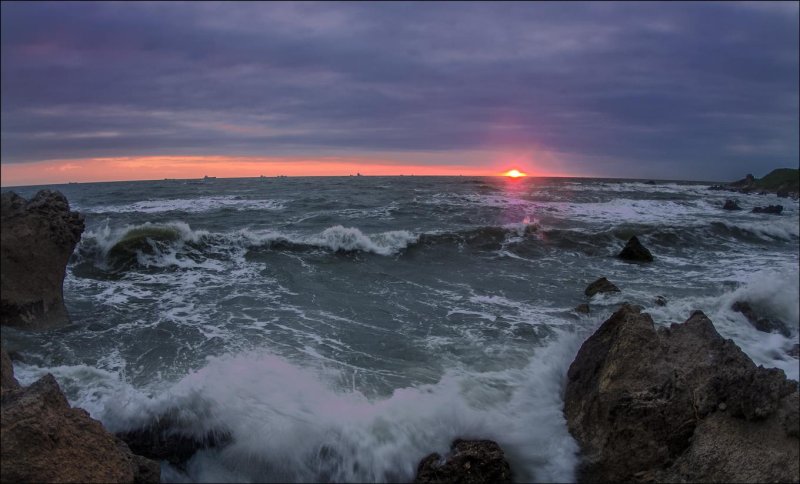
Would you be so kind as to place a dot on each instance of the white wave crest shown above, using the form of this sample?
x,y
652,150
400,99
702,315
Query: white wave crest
x,y
192,205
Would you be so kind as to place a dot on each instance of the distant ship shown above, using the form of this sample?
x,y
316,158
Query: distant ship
x,y
209,177
359,174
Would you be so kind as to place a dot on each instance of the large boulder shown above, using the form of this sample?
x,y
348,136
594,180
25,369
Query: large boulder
x,y
731,205
36,241
601,285
43,439
469,462
635,251
678,404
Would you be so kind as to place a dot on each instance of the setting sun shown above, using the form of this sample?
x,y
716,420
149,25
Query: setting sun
x,y
514,173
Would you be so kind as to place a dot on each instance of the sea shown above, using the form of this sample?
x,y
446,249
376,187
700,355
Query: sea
x,y
340,329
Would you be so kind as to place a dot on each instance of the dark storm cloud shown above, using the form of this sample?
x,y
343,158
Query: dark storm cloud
x,y
706,90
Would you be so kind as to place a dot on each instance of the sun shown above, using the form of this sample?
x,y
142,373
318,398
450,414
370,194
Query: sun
x,y
514,173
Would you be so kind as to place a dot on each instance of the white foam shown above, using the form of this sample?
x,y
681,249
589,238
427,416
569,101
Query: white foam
x,y
191,205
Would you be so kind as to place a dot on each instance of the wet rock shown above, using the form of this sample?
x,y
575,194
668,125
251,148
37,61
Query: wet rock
x,y
601,285
635,251
167,438
469,461
794,352
765,325
782,194
36,242
771,209
582,308
661,301
731,205
650,182
45,440
643,405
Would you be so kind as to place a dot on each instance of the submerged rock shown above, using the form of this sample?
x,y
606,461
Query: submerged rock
x,y
731,205
771,209
45,440
165,438
469,461
635,251
582,308
646,404
762,324
36,241
601,285
661,301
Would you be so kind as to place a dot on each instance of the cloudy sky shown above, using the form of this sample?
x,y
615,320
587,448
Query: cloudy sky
x,y
656,90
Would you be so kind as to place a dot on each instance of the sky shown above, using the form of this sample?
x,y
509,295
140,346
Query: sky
x,y
111,91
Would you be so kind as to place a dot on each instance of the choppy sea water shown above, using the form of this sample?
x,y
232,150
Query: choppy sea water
x,y
343,328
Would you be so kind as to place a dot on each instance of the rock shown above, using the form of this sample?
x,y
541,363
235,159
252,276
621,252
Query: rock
x,y
642,403
635,251
601,285
45,440
469,461
165,438
748,182
762,324
583,308
731,205
771,209
794,352
782,194
36,242
650,182
661,301
7,380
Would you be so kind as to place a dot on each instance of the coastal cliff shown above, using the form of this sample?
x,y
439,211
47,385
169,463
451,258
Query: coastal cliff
x,y
36,241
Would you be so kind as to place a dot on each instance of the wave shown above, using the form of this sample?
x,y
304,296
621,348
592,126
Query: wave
x,y
291,423
191,205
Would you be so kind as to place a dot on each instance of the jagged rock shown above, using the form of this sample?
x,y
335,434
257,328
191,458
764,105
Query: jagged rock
x,y
646,404
746,183
771,209
36,242
731,205
635,251
469,461
583,308
601,285
762,324
165,438
7,380
661,301
45,440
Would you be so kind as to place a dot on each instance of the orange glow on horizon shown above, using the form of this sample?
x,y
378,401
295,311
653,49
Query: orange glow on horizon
x,y
515,173
133,168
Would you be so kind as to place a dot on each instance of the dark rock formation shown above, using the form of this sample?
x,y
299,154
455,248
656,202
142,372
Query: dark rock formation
x,y
762,324
771,209
635,251
794,352
601,285
583,308
469,461
37,238
167,439
650,182
731,205
747,183
7,380
661,301
45,440
678,404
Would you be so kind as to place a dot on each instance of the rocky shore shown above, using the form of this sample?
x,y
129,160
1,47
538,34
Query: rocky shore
x,y
783,182
669,404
